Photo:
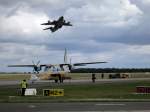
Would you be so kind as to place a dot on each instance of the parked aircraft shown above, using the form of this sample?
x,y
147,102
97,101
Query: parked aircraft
x,y
53,71
57,24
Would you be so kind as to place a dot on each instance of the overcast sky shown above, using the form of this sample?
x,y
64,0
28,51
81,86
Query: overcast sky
x,y
116,31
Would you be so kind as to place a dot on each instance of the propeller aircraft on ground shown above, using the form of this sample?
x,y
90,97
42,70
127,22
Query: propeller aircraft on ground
x,y
53,71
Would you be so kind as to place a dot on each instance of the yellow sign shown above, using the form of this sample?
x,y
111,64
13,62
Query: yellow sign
x,y
53,92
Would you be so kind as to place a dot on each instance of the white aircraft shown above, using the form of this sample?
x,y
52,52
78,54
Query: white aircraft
x,y
53,71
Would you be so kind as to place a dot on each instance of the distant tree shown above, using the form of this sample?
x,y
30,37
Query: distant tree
x,y
110,70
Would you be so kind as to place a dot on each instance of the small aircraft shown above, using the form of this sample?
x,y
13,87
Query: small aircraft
x,y
53,71
57,24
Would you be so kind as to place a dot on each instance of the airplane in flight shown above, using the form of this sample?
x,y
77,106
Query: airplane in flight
x,y
54,72
57,24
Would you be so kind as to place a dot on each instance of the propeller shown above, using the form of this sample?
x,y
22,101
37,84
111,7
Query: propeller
x,y
71,65
36,68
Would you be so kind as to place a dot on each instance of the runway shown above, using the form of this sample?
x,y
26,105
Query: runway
x,y
77,107
16,82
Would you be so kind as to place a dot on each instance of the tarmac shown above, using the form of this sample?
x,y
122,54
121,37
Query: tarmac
x,y
15,82
76,107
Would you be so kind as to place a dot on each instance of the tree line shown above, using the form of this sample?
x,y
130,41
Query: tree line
x,y
110,70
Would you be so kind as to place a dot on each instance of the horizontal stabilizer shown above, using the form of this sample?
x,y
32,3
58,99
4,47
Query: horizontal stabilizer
x,y
67,24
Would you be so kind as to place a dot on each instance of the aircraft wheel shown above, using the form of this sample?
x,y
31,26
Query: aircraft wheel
x,y
56,81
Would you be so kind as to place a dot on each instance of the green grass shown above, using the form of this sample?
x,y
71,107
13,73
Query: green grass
x,y
117,90
103,90
14,77
74,91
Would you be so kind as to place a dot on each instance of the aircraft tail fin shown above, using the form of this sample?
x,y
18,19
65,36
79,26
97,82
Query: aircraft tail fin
x,y
65,56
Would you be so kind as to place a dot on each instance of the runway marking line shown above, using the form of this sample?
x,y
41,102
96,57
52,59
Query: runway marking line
x,y
105,104
32,106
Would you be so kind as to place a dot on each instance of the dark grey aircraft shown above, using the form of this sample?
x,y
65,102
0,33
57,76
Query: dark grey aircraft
x,y
57,24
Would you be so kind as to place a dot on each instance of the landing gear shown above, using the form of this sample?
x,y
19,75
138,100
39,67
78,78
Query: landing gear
x,y
56,81
57,78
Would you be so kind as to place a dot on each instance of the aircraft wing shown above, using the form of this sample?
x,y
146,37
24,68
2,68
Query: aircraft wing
x,y
51,28
47,28
21,65
28,65
45,24
49,23
39,65
83,64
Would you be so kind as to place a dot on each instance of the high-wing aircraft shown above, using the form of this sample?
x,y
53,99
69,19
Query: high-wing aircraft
x,y
57,24
36,67
53,71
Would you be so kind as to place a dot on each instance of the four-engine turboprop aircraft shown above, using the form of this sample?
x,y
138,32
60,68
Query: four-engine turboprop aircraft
x,y
53,71
57,24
